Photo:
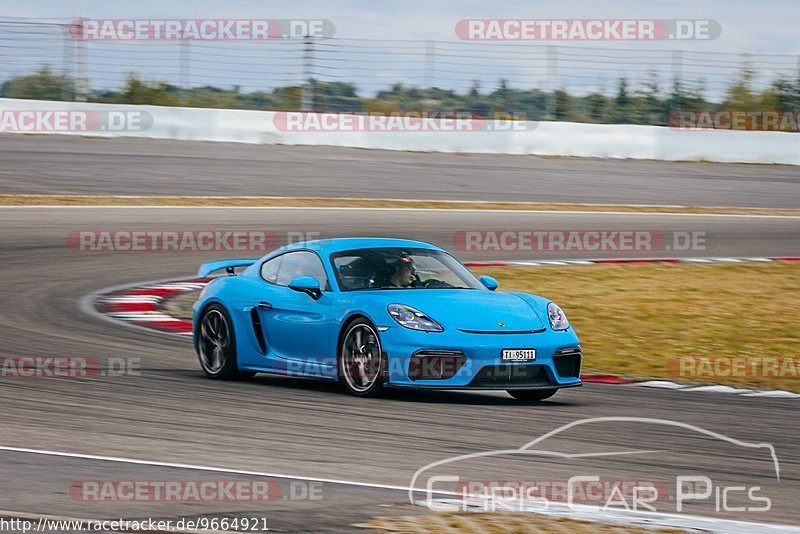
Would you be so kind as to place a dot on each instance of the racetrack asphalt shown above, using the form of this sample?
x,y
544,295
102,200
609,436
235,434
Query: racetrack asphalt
x,y
64,164
170,412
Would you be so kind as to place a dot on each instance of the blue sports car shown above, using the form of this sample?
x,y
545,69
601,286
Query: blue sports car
x,y
373,313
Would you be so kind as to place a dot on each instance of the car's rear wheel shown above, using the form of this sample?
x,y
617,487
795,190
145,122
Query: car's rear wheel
x,y
532,394
361,365
216,345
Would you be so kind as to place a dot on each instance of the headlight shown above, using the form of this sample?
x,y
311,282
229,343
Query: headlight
x,y
558,319
414,319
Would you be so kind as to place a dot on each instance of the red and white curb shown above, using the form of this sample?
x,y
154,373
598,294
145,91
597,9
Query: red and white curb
x,y
143,306
664,384
699,388
600,261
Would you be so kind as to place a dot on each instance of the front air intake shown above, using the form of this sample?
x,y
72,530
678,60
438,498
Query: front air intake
x,y
568,362
435,364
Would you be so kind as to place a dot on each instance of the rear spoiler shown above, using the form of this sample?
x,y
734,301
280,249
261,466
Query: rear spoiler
x,y
229,265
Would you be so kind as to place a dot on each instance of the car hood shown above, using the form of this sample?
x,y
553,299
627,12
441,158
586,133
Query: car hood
x,y
468,309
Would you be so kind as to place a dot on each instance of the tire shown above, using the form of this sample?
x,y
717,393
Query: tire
x,y
216,345
360,359
532,394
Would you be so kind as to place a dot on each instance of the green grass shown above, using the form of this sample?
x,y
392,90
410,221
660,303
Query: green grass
x,y
632,319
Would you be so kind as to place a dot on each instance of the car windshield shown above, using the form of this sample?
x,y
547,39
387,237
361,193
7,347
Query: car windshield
x,y
400,268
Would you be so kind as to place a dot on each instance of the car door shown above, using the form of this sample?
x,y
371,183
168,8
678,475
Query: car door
x,y
296,327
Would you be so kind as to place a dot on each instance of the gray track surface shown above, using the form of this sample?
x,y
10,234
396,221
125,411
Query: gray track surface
x,y
63,164
172,413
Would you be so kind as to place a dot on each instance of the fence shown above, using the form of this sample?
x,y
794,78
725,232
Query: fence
x,y
374,65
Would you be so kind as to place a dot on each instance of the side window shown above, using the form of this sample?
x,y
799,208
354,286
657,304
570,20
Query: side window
x,y
269,269
301,263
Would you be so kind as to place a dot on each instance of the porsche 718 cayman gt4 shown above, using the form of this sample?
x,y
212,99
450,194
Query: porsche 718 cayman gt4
x,y
375,313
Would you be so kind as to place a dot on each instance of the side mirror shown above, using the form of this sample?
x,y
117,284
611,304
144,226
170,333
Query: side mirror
x,y
490,283
308,285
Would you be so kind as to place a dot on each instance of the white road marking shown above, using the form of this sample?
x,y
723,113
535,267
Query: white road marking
x,y
775,393
452,210
143,317
211,469
182,286
596,512
715,388
697,260
609,261
133,299
660,384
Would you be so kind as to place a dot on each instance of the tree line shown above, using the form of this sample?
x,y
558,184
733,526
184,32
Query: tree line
x,y
649,104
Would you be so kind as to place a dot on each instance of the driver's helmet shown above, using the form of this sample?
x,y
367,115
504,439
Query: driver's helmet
x,y
400,260
391,263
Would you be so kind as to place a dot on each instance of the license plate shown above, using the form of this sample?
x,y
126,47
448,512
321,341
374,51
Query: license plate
x,y
518,354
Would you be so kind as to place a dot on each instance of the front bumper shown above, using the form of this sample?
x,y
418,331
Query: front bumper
x,y
557,363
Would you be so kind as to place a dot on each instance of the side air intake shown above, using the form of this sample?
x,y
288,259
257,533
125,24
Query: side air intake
x,y
258,331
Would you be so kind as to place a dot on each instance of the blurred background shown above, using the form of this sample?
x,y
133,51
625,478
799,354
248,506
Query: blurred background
x,y
714,286
592,82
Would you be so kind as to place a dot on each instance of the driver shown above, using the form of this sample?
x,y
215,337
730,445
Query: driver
x,y
404,273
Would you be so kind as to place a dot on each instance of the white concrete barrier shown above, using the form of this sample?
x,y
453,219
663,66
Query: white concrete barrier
x,y
267,127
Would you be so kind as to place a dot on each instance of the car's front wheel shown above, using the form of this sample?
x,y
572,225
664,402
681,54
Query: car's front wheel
x,y
361,365
216,345
532,394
